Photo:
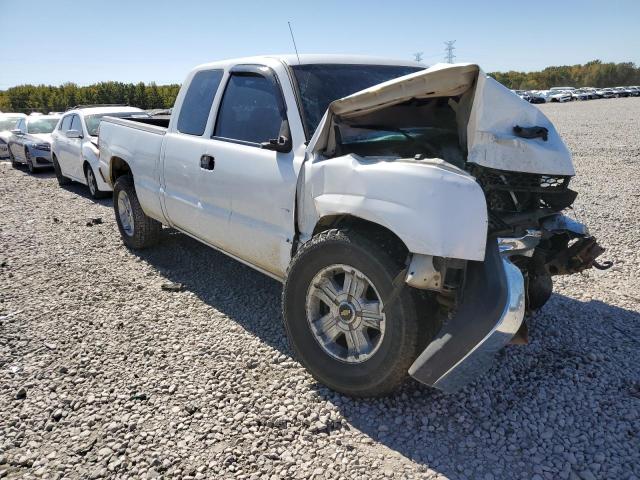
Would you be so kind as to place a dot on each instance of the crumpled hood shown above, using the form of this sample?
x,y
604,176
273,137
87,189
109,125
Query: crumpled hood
x,y
486,114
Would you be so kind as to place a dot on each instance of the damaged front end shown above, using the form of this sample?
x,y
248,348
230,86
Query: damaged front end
x,y
493,246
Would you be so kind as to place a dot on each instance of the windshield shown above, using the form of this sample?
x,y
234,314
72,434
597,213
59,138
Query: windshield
x,y
93,121
8,123
321,84
41,125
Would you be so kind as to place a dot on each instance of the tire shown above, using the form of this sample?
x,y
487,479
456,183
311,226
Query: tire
x,y
14,162
138,231
379,372
62,180
29,161
92,183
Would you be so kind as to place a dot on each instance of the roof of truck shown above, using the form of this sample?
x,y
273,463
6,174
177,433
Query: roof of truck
x,y
307,59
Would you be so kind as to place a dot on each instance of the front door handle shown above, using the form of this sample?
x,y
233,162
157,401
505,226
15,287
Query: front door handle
x,y
207,162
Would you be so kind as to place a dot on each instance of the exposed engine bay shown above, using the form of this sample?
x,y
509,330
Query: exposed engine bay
x,y
517,202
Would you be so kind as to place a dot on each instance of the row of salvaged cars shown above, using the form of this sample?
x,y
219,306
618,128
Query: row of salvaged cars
x,y
67,141
415,216
568,94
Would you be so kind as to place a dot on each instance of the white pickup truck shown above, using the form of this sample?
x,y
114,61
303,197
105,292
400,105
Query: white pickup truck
x,y
413,215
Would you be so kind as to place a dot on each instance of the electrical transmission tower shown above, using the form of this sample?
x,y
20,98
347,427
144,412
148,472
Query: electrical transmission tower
x,y
418,56
449,48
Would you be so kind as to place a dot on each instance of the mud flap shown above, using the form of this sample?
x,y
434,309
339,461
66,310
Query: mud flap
x,y
490,314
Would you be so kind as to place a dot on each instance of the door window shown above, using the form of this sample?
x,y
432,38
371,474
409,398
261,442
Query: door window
x,y
250,110
65,123
76,124
197,102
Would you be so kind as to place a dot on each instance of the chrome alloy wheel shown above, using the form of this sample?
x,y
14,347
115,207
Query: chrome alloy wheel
x,y
345,313
125,212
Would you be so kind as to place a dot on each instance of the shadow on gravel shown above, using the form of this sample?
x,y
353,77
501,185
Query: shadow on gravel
x,y
489,423
83,191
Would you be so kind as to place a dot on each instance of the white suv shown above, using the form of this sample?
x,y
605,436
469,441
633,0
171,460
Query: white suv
x,y
74,145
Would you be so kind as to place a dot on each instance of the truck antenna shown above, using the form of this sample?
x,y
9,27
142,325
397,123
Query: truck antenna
x,y
294,42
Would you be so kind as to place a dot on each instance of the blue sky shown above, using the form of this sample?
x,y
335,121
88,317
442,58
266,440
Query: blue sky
x,y
57,41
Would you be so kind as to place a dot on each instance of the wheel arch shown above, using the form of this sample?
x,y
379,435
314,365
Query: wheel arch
x,y
363,226
118,167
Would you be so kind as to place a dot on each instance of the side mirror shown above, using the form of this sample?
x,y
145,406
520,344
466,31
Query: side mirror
x,y
281,144
17,131
74,134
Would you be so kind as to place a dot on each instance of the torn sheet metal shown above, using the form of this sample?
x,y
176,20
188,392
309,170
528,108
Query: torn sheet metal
x,y
486,127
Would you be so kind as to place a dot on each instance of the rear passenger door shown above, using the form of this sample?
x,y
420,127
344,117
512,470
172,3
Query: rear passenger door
x,y
194,198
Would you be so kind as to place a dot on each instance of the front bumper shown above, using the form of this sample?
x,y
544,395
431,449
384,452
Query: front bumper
x,y
41,158
490,315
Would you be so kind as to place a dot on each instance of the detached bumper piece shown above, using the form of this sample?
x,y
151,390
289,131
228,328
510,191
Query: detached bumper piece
x,y
490,315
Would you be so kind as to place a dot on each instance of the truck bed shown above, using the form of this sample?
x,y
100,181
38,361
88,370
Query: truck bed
x,y
153,125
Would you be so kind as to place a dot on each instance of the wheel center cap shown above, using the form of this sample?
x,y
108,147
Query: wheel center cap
x,y
346,311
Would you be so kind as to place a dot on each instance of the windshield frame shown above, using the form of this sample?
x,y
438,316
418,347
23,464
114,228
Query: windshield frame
x,y
298,94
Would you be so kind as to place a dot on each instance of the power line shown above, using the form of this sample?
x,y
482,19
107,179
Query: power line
x,y
449,48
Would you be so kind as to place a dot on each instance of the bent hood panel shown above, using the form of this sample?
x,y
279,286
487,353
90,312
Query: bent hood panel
x,y
486,127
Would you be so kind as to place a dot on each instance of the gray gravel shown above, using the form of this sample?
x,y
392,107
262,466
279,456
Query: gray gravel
x,y
103,373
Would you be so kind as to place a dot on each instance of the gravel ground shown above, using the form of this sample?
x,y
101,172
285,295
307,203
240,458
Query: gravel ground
x,y
105,374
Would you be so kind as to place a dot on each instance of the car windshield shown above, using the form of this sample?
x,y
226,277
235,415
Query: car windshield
x,y
8,123
41,125
321,84
93,121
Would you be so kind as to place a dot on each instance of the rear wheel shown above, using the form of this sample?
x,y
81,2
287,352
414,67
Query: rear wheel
x,y
62,180
344,321
92,183
138,231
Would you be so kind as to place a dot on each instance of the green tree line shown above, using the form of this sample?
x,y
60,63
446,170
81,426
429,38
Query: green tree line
x,y
591,74
48,98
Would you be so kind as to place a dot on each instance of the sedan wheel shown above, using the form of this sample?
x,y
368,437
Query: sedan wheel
x,y
27,156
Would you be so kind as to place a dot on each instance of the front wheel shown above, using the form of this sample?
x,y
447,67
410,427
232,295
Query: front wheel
x,y
138,231
14,162
27,156
62,180
342,319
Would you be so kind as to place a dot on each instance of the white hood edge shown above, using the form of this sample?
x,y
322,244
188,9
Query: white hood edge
x,y
487,126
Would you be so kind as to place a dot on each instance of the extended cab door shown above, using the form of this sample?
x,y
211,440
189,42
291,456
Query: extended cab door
x,y
252,113
196,200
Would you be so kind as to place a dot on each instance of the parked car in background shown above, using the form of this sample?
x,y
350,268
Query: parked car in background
x,y
621,92
635,91
579,94
559,96
31,141
390,213
7,123
592,92
522,94
536,97
74,145
606,93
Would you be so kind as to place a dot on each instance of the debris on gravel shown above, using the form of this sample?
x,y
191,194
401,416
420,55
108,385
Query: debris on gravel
x,y
201,384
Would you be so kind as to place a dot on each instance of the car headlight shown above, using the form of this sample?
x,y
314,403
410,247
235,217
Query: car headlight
x,y
42,146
